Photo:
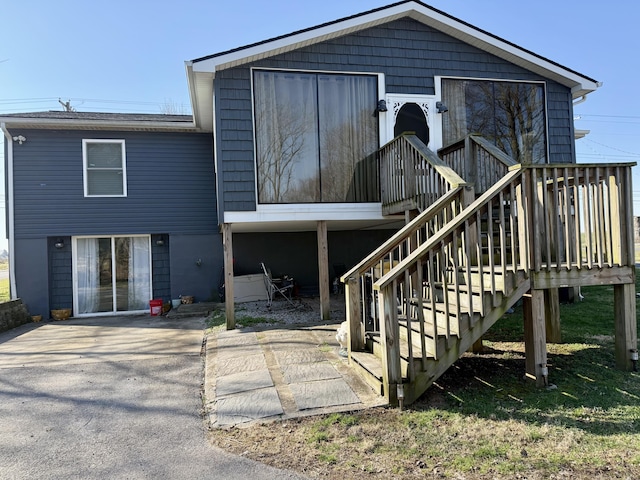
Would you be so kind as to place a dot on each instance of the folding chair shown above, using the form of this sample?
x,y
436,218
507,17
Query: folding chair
x,y
277,285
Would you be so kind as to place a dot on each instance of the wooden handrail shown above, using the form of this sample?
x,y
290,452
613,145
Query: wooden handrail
x,y
412,177
477,160
447,230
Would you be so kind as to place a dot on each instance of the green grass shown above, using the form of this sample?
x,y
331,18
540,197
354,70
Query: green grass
x,y
4,290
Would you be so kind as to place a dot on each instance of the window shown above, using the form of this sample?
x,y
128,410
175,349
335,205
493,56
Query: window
x,y
316,137
509,114
112,274
104,168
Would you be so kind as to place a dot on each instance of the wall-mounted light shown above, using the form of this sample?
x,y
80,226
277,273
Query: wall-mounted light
x,y
20,139
381,107
160,242
59,243
441,107
199,262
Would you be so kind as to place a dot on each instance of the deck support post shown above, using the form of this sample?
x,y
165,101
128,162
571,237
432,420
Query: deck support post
x,y
535,342
354,315
323,271
624,298
390,336
229,306
552,315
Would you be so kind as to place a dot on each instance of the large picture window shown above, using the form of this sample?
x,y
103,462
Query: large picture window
x,y
316,137
104,168
509,114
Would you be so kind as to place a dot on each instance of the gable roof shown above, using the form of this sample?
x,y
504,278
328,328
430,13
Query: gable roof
x,y
201,71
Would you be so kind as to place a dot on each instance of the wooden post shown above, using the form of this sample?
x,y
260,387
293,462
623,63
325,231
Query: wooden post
x,y
552,315
477,346
390,337
229,306
354,315
323,271
624,298
535,343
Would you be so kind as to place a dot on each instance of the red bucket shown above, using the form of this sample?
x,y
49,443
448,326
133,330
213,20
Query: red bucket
x,y
155,307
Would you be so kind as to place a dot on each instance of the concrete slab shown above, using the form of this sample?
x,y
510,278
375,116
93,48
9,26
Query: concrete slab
x,y
248,363
296,357
96,339
326,393
247,406
243,382
303,376
309,372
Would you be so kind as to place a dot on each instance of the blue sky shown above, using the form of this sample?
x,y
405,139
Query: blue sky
x,y
128,56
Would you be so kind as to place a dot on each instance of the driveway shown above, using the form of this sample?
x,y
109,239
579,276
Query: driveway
x,y
111,398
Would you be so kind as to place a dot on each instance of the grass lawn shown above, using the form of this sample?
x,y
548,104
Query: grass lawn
x,y
481,420
4,290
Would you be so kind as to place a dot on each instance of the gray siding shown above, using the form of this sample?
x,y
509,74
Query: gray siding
x,y
410,55
170,183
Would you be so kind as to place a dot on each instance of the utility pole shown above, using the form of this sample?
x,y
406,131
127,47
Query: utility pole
x,y
66,105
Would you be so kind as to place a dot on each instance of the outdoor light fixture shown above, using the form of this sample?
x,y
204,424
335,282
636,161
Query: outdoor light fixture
x,y
441,107
19,139
381,107
634,359
160,242
59,243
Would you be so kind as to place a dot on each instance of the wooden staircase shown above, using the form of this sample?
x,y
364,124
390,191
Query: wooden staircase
x,y
423,298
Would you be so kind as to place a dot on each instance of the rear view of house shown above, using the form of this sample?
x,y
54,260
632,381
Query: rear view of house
x,y
445,150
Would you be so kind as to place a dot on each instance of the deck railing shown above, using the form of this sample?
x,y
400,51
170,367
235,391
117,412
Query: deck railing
x,y
572,218
433,178
584,214
477,161
412,177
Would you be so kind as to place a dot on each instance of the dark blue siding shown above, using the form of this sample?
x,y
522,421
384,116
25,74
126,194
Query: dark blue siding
x,y
60,274
160,267
171,195
410,55
170,184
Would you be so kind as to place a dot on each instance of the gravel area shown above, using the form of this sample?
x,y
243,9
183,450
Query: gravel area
x,y
301,311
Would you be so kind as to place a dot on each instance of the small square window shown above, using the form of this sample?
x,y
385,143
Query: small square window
x,y
105,173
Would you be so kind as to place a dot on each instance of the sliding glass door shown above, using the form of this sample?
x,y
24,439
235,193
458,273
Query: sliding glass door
x,y
111,274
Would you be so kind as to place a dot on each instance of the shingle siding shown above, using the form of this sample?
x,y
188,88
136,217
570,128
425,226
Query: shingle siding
x,y
409,54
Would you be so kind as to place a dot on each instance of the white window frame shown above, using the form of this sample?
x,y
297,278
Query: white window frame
x,y
85,166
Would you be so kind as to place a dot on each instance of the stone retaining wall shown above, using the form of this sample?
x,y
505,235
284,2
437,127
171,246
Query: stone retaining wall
x,y
12,314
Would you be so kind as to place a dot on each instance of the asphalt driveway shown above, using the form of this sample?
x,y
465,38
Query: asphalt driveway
x,y
111,398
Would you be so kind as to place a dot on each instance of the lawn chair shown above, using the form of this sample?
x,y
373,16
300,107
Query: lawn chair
x,y
283,286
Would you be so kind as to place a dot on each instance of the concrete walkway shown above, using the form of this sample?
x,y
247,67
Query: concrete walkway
x,y
110,397
277,373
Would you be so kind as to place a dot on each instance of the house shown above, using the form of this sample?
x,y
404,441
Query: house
x,y
282,162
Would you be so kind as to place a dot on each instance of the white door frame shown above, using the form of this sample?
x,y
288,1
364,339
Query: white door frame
x,y
74,257
427,104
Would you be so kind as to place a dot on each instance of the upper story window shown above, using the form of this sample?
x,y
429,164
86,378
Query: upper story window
x,y
105,173
509,114
316,137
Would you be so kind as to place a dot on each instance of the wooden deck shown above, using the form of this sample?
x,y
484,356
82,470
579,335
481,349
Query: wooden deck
x,y
433,289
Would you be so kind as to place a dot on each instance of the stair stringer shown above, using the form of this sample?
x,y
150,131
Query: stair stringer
x,y
435,368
